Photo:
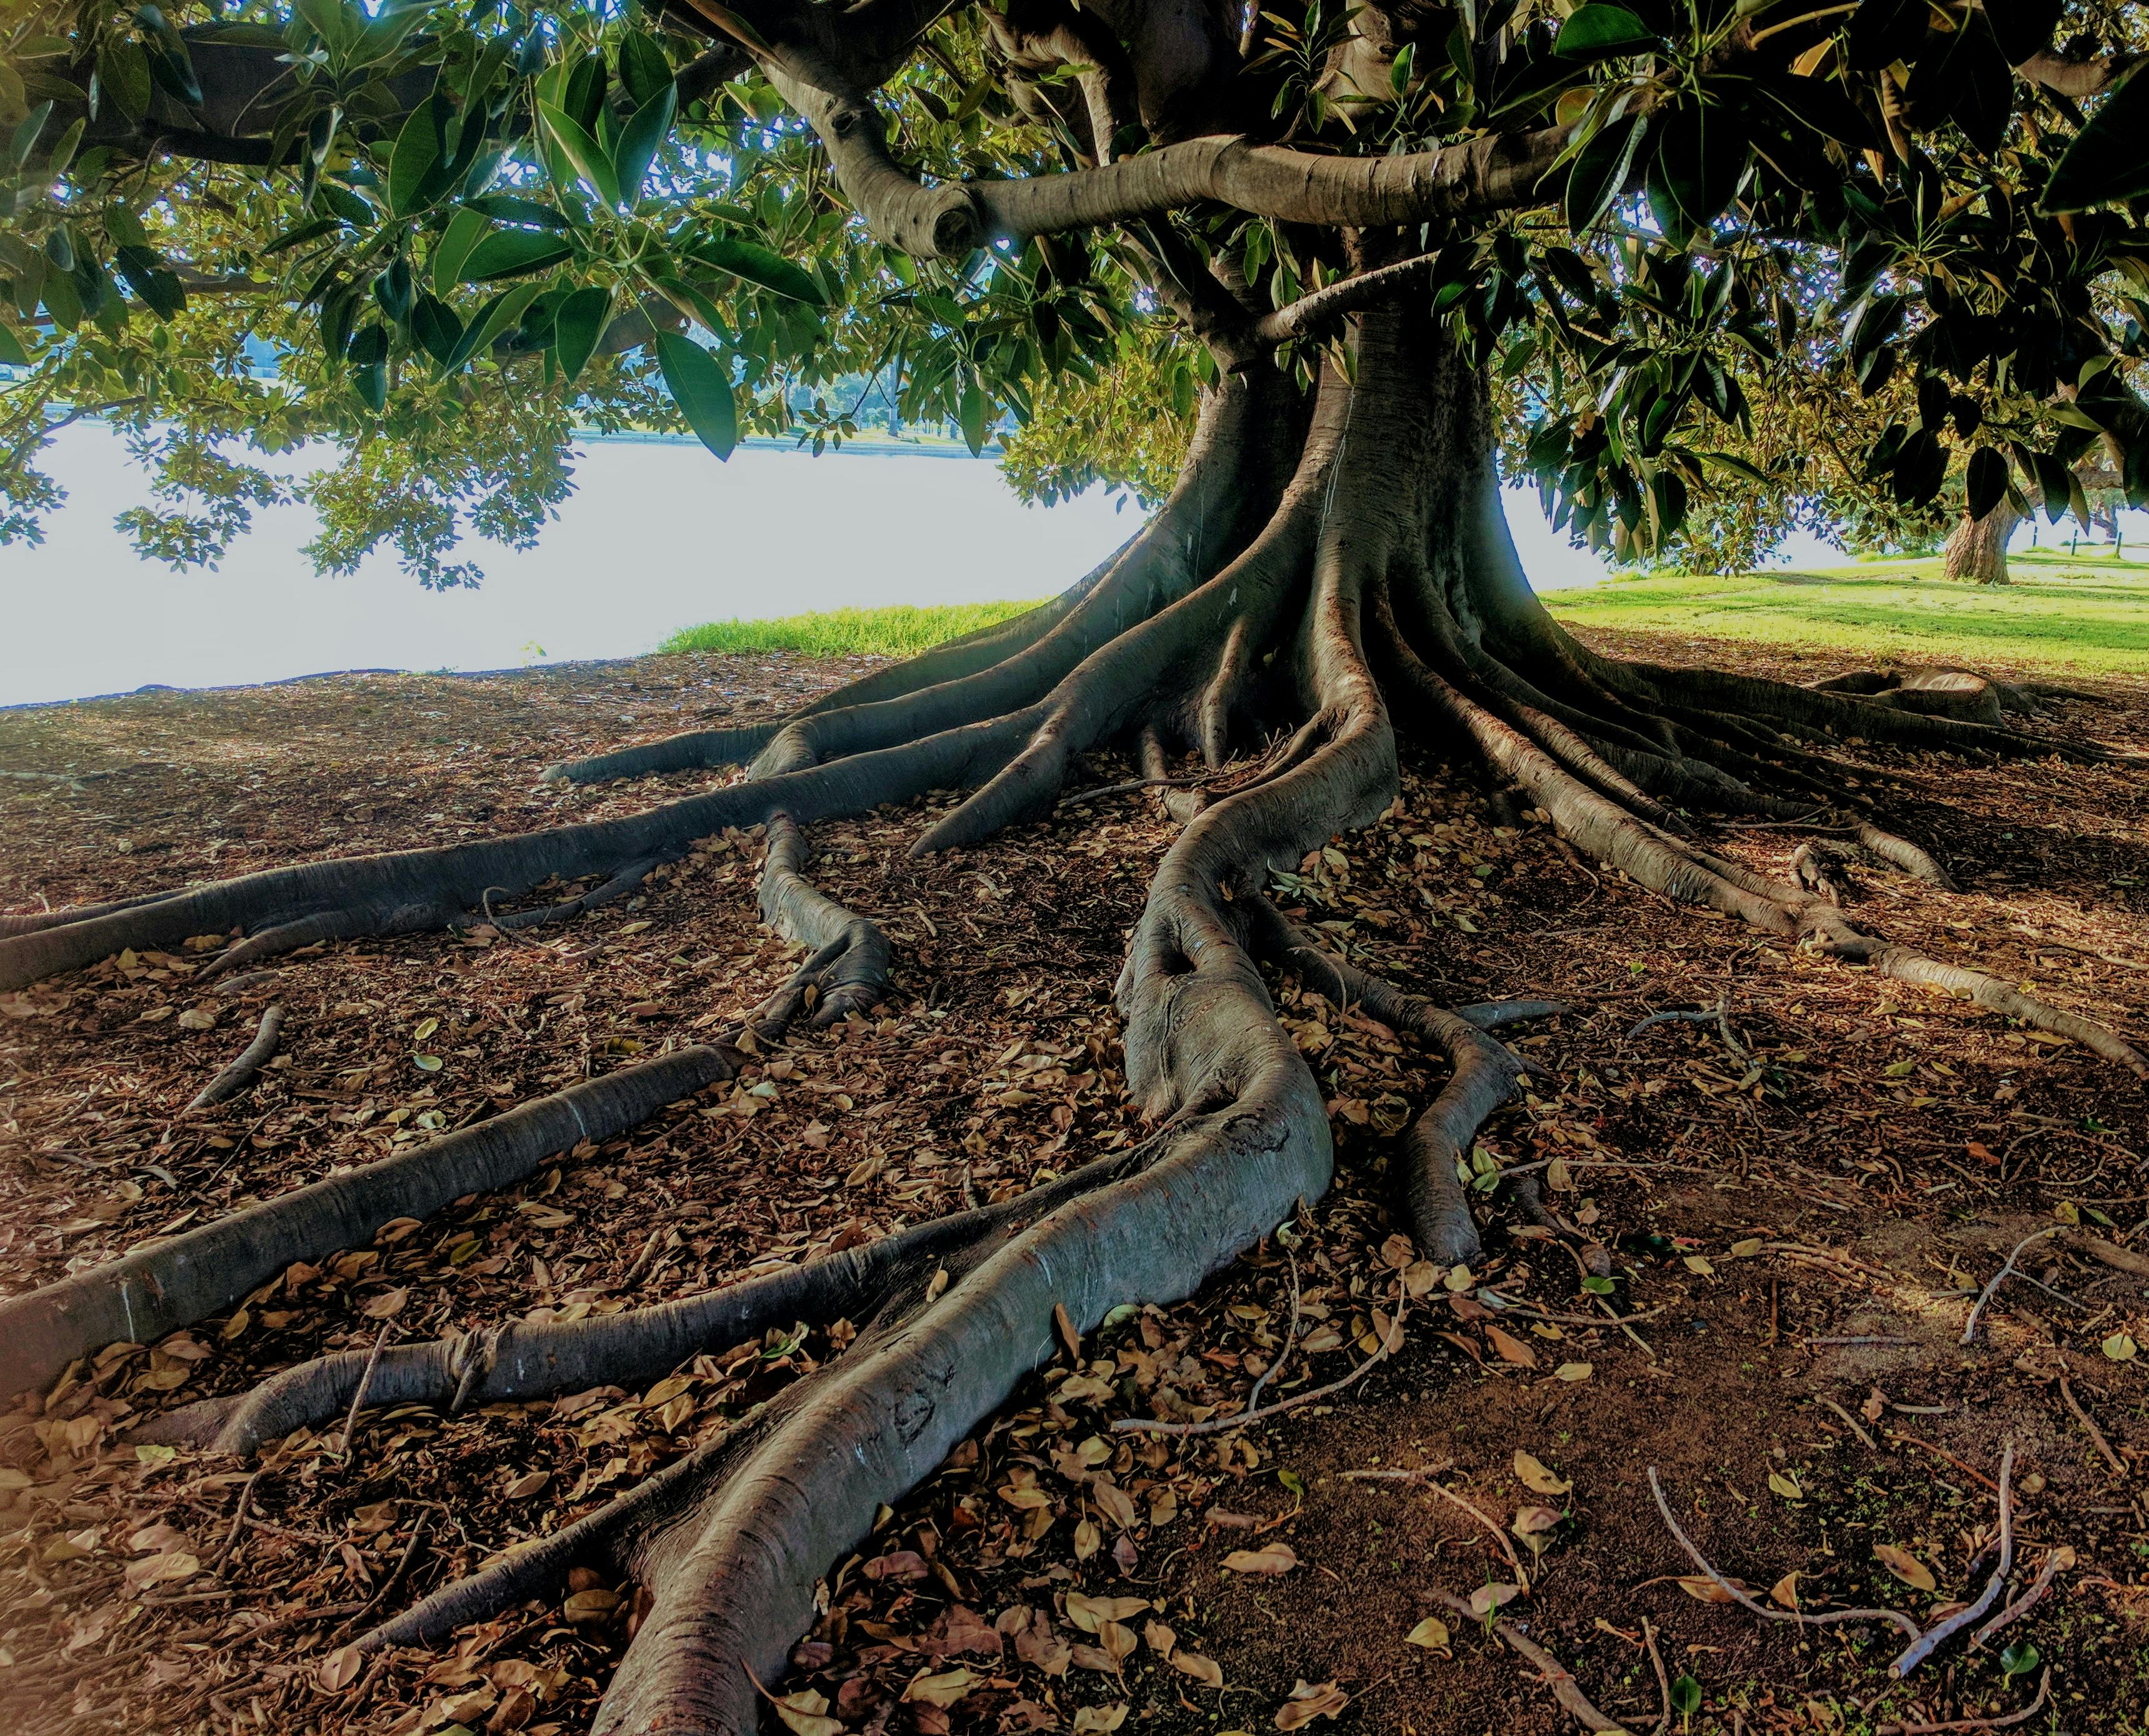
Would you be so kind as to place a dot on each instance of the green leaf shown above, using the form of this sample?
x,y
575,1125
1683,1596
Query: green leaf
x,y
1686,1697
169,63
417,149
760,265
123,70
452,251
1970,83
2109,157
25,138
507,208
1600,171
509,253
1883,31
437,327
973,411
583,151
1700,157
2019,1659
385,32
639,141
1987,483
579,326
348,205
493,318
643,67
2023,26
11,352
698,385
145,275
1599,30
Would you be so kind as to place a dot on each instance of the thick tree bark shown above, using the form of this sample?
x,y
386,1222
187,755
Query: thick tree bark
x,y
1976,551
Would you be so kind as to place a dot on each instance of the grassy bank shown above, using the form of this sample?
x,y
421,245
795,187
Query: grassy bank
x,y
2090,614
892,632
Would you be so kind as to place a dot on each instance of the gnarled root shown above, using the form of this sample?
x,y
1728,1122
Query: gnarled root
x,y
170,1284
1485,1075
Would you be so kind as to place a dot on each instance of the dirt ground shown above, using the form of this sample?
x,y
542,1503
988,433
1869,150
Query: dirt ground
x,y
1799,1206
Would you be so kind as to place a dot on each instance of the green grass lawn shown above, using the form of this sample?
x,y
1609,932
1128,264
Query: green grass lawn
x,y
2089,613
898,631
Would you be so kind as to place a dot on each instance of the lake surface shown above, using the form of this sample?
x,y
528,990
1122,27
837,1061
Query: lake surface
x,y
658,535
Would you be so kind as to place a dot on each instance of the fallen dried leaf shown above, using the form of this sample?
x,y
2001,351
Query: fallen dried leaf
x,y
1539,1477
1905,1565
1309,1701
1269,1558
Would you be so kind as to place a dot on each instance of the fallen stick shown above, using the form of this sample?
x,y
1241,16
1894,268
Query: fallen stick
x,y
1221,1425
2062,1556
1938,1634
240,1074
2028,1712
1828,1619
2096,1434
358,1398
1425,1479
1557,1677
2000,1277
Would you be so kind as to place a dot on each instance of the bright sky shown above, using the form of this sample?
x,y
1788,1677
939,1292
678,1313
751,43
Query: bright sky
x,y
658,535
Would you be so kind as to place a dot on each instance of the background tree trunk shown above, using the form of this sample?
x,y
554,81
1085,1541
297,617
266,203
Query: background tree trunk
x,y
1976,551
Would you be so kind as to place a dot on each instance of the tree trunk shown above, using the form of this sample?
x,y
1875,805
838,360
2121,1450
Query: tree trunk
x,y
1330,572
1976,550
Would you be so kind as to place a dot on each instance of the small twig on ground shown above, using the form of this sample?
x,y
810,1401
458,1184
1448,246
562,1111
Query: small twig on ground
x,y
237,1522
1557,1677
389,1586
1663,1681
649,1247
1940,1632
1426,1479
1493,1300
2096,1434
2062,1557
1850,1422
358,1398
1971,1471
240,1074
1290,1339
1870,1338
1223,1425
2030,1711
1970,1330
1826,1619
1719,1015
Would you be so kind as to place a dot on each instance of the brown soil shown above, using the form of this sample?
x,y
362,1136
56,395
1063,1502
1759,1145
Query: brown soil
x,y
1867,1154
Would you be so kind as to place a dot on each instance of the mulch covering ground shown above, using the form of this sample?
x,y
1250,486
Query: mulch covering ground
x,y
1852,1164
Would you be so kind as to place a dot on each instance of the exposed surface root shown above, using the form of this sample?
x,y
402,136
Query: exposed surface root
x,y
159,1288
250,1060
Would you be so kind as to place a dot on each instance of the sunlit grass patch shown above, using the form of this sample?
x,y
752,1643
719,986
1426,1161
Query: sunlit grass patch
x,y
2086,614
895,632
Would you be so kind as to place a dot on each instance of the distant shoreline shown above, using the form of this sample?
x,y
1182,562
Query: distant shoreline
x,y
863,446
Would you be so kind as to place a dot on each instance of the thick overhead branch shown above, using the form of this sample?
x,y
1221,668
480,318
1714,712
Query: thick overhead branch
x,y
2076,78
1499,171
1331,302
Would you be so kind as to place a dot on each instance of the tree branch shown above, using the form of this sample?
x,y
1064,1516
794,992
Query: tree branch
x,y
1334,300
2076,78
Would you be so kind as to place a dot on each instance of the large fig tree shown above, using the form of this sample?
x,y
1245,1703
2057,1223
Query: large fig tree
x,y
1685,263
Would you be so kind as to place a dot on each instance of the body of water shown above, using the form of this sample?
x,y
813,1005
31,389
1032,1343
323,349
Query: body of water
x,y
658,535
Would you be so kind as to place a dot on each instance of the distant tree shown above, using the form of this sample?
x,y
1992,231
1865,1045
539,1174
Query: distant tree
x,y
1669,250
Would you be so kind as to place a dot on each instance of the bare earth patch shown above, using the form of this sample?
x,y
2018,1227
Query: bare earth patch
x,y
1798,1206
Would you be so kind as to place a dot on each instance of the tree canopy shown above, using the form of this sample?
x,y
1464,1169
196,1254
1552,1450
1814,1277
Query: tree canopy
x,y
1732,264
